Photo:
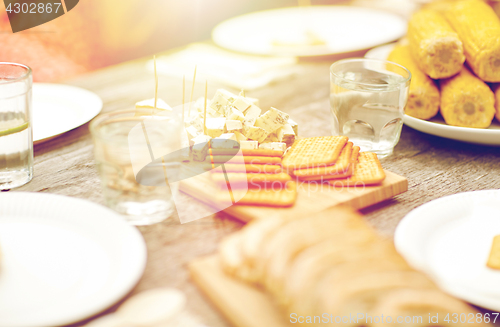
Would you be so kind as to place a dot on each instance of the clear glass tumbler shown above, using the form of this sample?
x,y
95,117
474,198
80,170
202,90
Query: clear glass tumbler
x,y
368,98
16,136
125,142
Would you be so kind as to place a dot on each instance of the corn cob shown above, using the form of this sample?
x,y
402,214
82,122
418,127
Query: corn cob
x,y
434,45
466,101
478,27
496,90
423,99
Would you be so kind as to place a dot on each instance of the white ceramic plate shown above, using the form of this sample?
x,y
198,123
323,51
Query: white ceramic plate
x,y
437,126
344,29
63,259
450,239
60,108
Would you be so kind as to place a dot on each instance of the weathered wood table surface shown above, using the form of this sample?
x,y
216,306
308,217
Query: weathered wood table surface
x,y
435,167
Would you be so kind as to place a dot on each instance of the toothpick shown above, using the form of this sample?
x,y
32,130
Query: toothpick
x,y
192,91
205,110
183,94
156,82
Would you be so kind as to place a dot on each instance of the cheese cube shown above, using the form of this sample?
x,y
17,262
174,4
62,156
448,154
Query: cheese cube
x,y
221,99
239,136
233,125
225,141
278,146
200,106
286,134
253,101
235,115
255,133
249,145
272,120
192,132
150,104
215,126
251,115
241,104
195,121
211,113
294,125
271,138
200,147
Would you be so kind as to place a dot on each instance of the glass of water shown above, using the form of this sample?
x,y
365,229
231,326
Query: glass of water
x,y
125,144
368,98
16,138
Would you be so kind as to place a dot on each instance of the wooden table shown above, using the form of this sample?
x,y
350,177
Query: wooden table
x,y
435,167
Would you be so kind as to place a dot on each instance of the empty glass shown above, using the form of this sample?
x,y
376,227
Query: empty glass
x,y
125,142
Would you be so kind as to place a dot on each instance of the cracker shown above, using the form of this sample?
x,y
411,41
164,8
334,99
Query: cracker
x,y
247,152
250,179
494,258
367,171
283,196
340,168
314,151
249,168
247,159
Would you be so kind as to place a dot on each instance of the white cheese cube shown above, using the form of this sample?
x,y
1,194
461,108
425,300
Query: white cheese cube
x,y
253,101
233,125
271,138
200,147
286,134
294,125
225,141
272,120
278,146
199,105
236,115
215,126
192,132
239,136
150,104
255,133
251,115
195,121
241,104
221,99
249,145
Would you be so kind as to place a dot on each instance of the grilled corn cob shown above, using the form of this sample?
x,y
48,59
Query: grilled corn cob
x,y
478,27
423,99
496,90
466,101
434,45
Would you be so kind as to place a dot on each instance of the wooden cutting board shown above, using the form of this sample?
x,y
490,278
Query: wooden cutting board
x,y
242,304
310,198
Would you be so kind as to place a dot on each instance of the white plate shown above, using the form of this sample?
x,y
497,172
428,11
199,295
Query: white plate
x,y
60,108
343,28
63,259
437,126
450,239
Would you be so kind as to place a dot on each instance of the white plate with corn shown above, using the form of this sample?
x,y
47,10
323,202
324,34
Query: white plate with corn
x,y
455,66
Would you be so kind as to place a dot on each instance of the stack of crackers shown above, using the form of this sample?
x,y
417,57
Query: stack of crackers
x,y
333,262
333,159
270,177
254,177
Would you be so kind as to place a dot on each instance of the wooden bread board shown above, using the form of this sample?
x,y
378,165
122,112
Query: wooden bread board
x,y
242,304
310,200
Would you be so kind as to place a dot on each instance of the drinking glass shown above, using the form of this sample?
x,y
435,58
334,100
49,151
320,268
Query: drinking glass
x,y
16,138
125,142
368,98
